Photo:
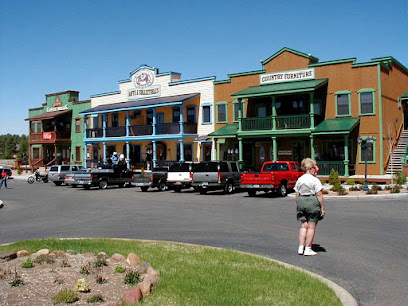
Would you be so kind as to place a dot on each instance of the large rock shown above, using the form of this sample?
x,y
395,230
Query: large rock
x,y
152,271
43,252
110,304
118,257
133,259
146,287
22,253
134,295
8,256
89,255
143,266
150,278
102,255
58,253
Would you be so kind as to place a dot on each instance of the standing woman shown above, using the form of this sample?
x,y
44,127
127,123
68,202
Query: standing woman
x,y
310,206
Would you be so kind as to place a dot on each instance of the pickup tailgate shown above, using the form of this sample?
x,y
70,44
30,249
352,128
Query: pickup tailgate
x,y
174,177
141,180
205,177
257,178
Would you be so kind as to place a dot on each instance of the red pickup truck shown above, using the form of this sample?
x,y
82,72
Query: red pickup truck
x,y
275,175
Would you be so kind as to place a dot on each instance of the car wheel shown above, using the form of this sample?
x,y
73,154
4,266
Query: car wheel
x,y
74,186
229,188
121,185
87,187
252,193
30,180
144,189
177,188
57,183
103,184
162,186
282,190
203,190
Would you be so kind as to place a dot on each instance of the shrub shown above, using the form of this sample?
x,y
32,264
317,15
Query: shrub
x,y
95,299
119,269
337,186
100,263
323,181
65,296
396,189
41,259
132,278
351,182
19,171
401,178
375,187
334,177
85,269
372,191
17,281
355,188
82,286
27,264
342,191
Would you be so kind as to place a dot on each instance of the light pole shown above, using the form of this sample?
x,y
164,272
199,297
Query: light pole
x,y
365,143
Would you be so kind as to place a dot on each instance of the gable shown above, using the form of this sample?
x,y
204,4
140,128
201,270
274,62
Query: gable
x,y
288,59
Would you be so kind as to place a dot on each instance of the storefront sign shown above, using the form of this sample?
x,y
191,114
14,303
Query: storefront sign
x,y
285,152
287,76
143,81
47,135
58,108
152,91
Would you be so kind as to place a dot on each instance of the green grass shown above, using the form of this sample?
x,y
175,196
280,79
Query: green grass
x,y
194,275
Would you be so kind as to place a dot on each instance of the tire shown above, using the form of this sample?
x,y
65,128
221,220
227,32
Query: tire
x,y
162,186
103,184
57,183
45,180
30,180
121,185
74,186
177,188
87,187
203,190
229,188
282,190
144,189
252,193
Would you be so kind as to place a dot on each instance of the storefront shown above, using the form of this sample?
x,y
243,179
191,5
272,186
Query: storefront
x,y
56,130
296,107
154,119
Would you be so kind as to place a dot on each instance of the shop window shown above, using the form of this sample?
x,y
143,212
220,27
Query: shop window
x,y
191,114
149,116
366,101
176,114
188,152
370,153
343,103
206,114
78,154
78,125
222,116
36,153
115,120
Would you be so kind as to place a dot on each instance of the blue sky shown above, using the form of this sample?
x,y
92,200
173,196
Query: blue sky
x,y
50,46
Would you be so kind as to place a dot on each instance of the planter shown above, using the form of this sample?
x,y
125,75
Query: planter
x,y
405,169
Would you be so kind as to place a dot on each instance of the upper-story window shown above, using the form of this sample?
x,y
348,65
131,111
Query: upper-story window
x,y
115,120
206,114
95,122
32,126
39,127
149,116
343,103
222,115
191,114
77,125
261,110
176,114
366,101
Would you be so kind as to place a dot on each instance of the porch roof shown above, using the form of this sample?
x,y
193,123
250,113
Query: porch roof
x,y
227,131
404,95
280,88
49,115
139,104
336,126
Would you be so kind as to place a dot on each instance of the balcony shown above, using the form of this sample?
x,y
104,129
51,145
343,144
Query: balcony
x,y
94,133
140,130
282,123
116,131
253,124
167,128
50,137
190,128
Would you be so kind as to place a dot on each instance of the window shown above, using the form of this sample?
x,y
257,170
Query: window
x,y
36,153
32,127
149,116
236,111
78,125
366,101
234,167
206,114
39,127
261,110
222,112
224,167
95,122
370,153
115,120
343,103
191,114
188,152
176,114
136,114
77,154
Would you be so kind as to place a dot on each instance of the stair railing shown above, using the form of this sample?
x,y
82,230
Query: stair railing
x,y
394,144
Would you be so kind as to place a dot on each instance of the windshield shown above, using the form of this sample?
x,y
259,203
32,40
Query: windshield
x,y
184,167
206,167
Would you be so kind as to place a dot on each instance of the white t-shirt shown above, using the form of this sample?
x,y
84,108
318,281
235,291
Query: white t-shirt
x,y
308,184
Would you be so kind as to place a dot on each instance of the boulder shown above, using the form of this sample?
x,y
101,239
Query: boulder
x,y
152,271
118,257
150,278
72,252
22,253
110,304
134,295
89,255
143,266
133,259
8,256
146,287
43,252
58,253
102,255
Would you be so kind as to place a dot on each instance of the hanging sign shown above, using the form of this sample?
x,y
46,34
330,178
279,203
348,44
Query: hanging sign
x,y
284,152
143,81
287,76
47,135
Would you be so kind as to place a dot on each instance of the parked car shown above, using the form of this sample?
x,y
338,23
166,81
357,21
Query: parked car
x,y
57,173
180,176
216,175
104,176
7,170
156,178
70,178
275,175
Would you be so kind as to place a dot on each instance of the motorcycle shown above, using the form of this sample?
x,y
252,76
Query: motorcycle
x,y
37,177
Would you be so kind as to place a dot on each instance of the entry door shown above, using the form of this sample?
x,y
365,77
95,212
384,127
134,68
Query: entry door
x,y
298,150
405,109
159,123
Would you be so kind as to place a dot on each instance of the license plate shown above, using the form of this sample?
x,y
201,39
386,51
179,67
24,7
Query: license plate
x,y
204,184
80,182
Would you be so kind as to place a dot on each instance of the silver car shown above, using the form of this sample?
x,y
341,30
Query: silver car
x,y
57,173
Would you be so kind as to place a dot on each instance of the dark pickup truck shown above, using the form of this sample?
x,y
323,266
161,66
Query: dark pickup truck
x,y
103,176
156,178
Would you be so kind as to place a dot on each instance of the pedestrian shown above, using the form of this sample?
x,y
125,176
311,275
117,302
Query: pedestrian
x,y
310,206
122,159
115,158
3,179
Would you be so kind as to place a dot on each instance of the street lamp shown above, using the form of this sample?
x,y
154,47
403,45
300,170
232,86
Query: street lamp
x,y
365,144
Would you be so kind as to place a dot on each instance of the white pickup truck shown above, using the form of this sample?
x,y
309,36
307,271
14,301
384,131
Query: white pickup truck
x,y
180,176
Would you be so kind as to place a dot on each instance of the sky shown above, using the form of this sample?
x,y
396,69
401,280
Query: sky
x,y
49,46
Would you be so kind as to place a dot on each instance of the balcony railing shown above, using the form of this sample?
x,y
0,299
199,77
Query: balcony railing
x,y
190,128
168,128
251,124
293,122
140,130
326,166
94,133
116,131
49,136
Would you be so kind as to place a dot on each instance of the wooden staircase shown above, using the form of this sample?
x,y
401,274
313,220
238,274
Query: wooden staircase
x,y
395,163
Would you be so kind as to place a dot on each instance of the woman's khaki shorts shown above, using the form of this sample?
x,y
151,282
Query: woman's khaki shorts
x,y
308,209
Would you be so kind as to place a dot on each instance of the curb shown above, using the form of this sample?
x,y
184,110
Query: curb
x,y
344,296
363,197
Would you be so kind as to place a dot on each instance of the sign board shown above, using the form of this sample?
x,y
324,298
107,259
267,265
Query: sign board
x,y
47,135
285,152
152,91
287,76
57,108
143,81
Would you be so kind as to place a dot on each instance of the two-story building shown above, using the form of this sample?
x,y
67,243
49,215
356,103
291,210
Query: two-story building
x,y
153,119
297,107
56,130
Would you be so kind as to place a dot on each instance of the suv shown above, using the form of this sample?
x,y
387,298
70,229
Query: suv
x,y
7,170
57,173
215,175
180,176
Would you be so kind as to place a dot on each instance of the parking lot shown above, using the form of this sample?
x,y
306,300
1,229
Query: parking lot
x,y
362,244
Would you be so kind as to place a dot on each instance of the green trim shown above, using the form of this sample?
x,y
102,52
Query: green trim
x,y
233,75
222,82
311,58
381,120
343,92
365,90
374,155
392,60
226,111
334,62
277,133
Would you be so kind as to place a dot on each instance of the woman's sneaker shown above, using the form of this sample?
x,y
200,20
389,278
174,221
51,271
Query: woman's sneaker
x,y
301,249
309,252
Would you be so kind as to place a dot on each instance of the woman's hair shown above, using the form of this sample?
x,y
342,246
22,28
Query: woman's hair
x,y
308,164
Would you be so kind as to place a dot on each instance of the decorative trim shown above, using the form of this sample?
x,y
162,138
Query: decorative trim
x,y
308,56
234,75
222,82
334,62
106,94
192,81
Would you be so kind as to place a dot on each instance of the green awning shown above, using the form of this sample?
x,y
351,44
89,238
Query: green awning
x,y
227,131
404,96
280,88
336,126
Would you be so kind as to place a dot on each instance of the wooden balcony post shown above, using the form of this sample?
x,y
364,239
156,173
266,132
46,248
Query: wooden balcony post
x,y
311,95
154,148
154,127
127,125
104,151
240,115
275,149
104,120
85,125
127,153
273,113
312,150
241,150
346,157
181,120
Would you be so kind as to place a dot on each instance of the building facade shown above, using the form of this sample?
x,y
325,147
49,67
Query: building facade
x,y
340,112
153,119
56,130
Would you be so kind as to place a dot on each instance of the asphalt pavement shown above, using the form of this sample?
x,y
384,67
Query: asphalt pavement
x,y
361,244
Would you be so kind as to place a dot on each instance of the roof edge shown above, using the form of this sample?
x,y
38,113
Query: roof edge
x,y
308,56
